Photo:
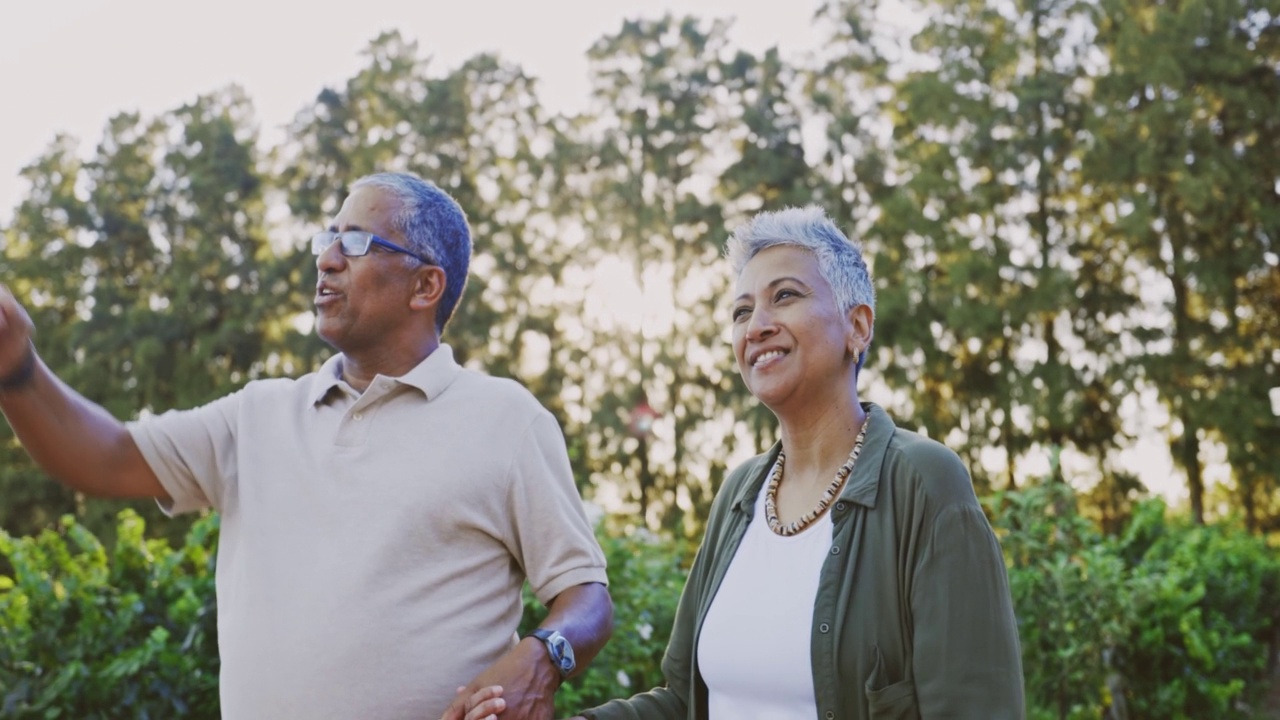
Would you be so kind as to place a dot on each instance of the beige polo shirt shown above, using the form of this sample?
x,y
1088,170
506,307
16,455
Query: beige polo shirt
x,y
373,545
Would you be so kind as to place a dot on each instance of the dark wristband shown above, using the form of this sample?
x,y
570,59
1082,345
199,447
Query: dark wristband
x,y
21,377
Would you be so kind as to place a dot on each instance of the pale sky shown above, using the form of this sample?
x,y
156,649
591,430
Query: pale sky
x,y
69,65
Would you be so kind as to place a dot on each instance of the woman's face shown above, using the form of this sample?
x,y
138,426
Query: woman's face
x,y
793,344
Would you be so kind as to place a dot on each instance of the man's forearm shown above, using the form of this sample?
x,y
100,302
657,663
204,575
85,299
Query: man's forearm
x,y
76,441
584,615
526,676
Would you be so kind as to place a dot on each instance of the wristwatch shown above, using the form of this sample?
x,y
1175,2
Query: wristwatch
x,y
560,649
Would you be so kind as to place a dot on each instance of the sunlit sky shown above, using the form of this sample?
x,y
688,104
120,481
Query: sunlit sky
x,y
69,65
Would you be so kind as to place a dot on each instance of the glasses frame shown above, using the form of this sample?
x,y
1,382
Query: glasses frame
x,y
325,239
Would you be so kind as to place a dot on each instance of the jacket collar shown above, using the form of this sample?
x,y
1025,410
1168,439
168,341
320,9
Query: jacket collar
x,y
863,486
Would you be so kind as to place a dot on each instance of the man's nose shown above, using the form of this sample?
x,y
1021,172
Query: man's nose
x,y
331,258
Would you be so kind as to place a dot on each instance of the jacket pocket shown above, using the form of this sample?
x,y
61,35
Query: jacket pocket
x,y
890,700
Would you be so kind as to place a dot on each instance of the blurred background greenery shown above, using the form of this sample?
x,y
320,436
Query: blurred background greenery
x,y
1072,211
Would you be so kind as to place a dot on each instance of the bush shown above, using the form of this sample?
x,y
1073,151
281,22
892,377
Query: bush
x,y
87,634
1074,601
1209,618
1169,619
132,633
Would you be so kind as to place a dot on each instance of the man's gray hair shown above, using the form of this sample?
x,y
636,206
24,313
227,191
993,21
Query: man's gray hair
x,y
435,226
839,258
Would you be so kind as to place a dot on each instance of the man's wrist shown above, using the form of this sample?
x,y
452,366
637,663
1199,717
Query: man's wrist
x,y
559,651
22,376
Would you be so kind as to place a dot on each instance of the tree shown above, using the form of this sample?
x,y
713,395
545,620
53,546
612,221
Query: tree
x,y
983,296
1189,157
658,131
144,271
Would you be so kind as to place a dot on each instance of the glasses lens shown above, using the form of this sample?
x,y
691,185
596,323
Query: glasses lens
x,y
353,242
321,242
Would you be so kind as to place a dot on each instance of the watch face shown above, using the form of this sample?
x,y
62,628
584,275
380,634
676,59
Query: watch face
x,y
559,648
562,653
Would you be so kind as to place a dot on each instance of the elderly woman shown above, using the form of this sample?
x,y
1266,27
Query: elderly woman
x,y
848,572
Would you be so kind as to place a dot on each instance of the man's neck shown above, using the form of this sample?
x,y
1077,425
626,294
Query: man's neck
x,y
359,369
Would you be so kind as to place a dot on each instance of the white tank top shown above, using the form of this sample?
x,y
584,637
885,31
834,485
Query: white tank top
x,y
753,650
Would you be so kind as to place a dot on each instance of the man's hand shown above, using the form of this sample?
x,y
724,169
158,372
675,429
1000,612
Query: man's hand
x,y
15,333
525,679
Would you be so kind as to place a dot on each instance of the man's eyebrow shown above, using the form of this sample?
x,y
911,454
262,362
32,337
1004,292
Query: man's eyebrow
x,y
333,227
774,283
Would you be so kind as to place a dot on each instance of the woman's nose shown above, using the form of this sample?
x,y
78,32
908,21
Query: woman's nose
x,y
760,324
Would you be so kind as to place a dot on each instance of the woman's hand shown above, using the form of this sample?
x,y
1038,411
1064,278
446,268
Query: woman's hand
x,y
483,704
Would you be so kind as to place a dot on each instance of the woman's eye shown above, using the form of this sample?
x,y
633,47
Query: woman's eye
x,y
739,313
784,294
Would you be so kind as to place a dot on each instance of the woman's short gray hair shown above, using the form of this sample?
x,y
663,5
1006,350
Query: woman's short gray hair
x,y
839,259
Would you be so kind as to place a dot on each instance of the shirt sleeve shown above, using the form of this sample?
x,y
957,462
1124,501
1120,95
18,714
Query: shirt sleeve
x,y
192,452
966,654
551,537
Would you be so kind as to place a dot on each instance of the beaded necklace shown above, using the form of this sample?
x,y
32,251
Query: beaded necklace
x,y
775,477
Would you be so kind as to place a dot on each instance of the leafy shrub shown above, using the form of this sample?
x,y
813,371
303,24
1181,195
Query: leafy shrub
x,y
1208,621
89,634
1170,619
1072,595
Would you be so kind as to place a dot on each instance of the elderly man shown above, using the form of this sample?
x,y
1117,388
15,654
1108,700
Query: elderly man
x,y
379,516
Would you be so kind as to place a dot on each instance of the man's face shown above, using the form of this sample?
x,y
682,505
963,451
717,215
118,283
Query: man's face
x,y
362,303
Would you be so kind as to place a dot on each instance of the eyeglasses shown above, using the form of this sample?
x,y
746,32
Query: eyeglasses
x,y
355,243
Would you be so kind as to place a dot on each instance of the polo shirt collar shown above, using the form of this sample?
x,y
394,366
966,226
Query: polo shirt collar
x,y
432,376
863,487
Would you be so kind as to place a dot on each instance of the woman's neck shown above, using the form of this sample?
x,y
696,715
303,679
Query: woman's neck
x,y
817,443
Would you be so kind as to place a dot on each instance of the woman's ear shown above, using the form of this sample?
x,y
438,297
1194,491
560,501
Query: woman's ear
x,y
861,329
428,287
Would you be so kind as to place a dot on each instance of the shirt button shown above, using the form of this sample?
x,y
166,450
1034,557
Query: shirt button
x,y
835,549
358,416
830,715
824,628
840,506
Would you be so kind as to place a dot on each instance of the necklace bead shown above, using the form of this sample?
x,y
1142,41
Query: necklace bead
x,y
775,478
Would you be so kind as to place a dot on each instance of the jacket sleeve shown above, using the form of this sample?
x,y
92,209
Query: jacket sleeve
x,y
967,660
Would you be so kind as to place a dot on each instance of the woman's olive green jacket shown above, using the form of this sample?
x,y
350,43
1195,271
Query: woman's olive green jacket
x,y
913,617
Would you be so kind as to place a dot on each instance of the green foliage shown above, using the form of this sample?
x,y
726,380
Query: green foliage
x,y
87,633
1170,619
1073,596
1209,602
1066,205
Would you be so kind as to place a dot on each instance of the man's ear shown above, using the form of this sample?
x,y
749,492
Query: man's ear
x,y
428,287
861,329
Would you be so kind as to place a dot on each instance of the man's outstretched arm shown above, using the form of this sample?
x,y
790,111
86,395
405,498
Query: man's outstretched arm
x,y
74,440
